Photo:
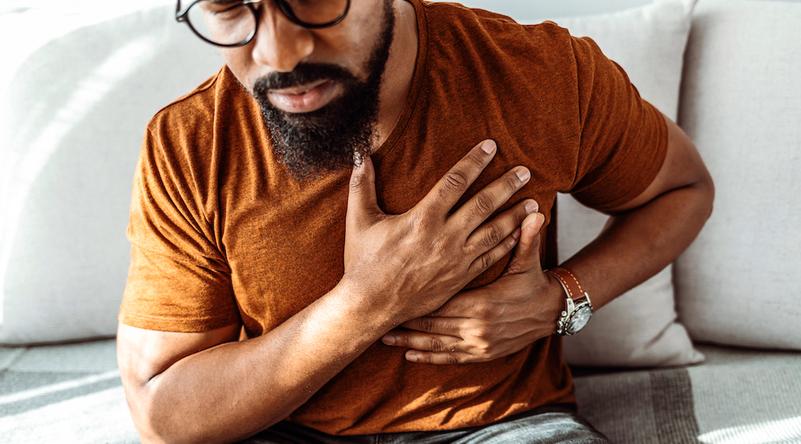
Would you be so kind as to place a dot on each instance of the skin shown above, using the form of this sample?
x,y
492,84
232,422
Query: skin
x,y
170,379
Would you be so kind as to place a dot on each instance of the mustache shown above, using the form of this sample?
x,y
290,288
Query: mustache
x,y
302,74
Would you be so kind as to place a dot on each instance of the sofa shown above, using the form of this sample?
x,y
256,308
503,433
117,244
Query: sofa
x,y
708,350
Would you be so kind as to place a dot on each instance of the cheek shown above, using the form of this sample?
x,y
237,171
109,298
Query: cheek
x,y
240,63
352,42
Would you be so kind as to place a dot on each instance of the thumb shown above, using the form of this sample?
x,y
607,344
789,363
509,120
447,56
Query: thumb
x,y
362,202
527,253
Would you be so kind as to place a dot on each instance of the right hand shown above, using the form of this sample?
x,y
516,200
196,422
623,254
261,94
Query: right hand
x,y
408,265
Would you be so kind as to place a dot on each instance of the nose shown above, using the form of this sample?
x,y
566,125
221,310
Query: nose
x,y
279,43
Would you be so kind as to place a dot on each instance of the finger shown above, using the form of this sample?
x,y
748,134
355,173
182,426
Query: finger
x,y
487,259
362,201
464,309
424,341
488,200
527,254
491,233
450,188
441,357
460,305
434,324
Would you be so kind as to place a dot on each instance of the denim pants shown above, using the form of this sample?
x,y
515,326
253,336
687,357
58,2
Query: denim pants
x,y
547,424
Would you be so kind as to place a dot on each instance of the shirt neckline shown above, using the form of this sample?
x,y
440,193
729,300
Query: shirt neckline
x,y
415,87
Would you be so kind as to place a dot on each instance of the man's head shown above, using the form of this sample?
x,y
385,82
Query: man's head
x,y
318,89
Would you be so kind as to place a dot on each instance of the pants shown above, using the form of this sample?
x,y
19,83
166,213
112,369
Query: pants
x,y
547,424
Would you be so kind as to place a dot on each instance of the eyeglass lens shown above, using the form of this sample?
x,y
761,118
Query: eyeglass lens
x,y
233,22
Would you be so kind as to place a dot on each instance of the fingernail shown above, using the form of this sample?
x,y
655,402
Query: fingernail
x,y
532,206
412,356
389,340
488,146
523,174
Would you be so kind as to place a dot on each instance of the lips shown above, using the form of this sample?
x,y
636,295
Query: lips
x,y
305,98
299,89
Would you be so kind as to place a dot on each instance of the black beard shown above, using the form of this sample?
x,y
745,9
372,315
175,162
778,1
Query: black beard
x,y
341,132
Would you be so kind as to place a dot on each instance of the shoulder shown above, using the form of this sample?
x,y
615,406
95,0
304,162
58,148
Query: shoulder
x,y
190,109
452,18
536,60
182,132
178,145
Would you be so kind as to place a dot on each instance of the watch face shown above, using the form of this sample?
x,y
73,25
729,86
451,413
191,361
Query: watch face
x,y
580,318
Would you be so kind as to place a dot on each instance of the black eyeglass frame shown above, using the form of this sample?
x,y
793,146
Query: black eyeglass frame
x,y
182,16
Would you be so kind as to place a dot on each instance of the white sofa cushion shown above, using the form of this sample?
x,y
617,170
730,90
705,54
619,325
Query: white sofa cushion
x,y
77,109
640,327
740,282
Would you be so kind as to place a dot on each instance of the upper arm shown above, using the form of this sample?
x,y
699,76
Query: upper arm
x,y
178,299
144,354
682,166
178,278
629,152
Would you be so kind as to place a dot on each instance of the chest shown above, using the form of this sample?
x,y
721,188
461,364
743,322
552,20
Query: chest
x,y
285,249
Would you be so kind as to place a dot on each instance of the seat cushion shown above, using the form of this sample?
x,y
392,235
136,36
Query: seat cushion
x,y
72,393
735,396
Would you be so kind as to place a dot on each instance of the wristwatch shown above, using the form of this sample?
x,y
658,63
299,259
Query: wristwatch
x,y
578,307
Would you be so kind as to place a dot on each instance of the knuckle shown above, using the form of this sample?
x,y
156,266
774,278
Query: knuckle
x,y
455,182
512,183
426,324
437,345
483,204
493,237
356,183
476,159
483,311
419,221
486,261
451,358
479,347
481,333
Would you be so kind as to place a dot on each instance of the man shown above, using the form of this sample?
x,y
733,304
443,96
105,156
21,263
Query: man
x,y
361,191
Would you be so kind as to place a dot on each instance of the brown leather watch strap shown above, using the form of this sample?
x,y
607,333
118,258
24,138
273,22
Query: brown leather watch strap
x,y
569,282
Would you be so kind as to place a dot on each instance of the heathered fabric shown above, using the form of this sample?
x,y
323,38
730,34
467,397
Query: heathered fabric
x,y
221,233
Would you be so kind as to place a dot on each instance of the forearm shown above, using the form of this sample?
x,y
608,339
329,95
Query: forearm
x,y
637,244
236,389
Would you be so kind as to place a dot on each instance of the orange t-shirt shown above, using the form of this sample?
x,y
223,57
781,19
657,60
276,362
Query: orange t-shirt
x,y
221,233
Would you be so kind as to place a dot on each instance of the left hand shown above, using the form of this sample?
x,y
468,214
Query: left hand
x,y
493,321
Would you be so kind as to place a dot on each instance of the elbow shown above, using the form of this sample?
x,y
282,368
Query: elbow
x,y
152,422
158,418
148,422
707,186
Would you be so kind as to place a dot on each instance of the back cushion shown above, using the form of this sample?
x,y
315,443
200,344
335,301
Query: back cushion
x,y
740,282
77,109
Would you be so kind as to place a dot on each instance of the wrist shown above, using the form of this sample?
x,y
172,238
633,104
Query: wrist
x,y
364,306
578,306
555,301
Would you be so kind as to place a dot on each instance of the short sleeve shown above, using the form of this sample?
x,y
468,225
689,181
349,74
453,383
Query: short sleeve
x,y
623,137
177,278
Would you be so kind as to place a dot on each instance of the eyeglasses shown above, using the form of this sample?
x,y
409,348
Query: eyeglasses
x,y
231,23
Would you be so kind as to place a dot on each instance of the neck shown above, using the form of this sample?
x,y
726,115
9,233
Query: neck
x,y
397,78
